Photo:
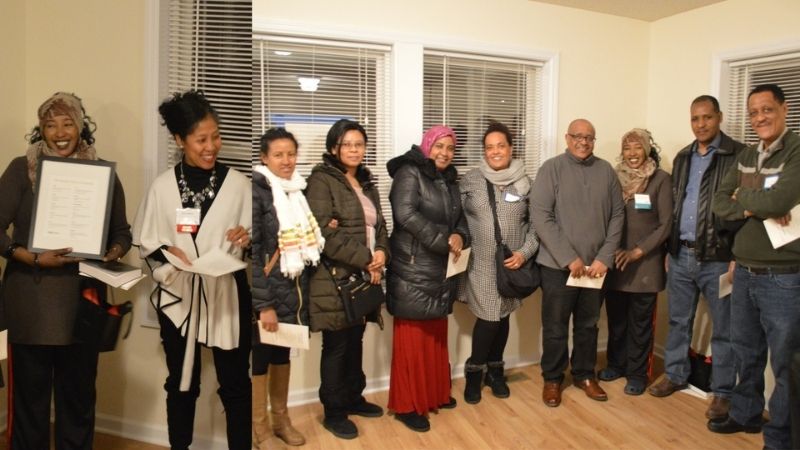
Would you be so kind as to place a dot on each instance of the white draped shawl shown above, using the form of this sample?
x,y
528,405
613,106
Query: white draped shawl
x,y
204,309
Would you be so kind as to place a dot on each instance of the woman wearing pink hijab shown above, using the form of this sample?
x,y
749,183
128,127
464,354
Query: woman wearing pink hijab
x,y
428,226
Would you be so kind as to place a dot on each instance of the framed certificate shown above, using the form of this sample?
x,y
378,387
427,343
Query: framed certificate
x,y
72,206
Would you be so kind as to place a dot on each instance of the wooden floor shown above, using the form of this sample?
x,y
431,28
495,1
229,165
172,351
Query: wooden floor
x,y
522,421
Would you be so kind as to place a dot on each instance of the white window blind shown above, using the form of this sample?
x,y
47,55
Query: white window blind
x,y
744,75
208,44
466,92
340,80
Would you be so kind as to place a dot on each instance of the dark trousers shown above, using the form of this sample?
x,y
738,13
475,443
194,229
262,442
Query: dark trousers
x,y
343,379
794,398
559,303
630,332
265,354
489,341
232,367
67,372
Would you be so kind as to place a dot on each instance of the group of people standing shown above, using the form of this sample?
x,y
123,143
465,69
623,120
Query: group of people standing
x,y
629,229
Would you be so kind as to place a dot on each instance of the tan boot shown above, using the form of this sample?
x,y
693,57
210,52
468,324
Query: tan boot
x,y
278,397
261,431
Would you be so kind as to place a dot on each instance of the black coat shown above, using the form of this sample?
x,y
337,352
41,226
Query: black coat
x,y
330,196
426,206
289,297
714,236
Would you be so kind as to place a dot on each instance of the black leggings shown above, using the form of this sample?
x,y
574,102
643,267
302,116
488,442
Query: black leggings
x,y
489,341
266,354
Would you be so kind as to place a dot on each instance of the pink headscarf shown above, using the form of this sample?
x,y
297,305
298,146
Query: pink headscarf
x,y
435,133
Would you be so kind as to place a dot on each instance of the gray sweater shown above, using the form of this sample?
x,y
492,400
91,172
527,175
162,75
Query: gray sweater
x,y
577,211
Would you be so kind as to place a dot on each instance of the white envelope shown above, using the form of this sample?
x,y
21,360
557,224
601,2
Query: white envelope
x,y
779,235
456,267
586,281
288,335
215,263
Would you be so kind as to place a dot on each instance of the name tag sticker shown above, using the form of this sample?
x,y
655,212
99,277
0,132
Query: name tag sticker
x,y
187,220
770,180
642,201
509,197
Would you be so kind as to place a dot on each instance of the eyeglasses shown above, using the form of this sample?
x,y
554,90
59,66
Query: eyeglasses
x,y
350,145
500,146
579,137
765,111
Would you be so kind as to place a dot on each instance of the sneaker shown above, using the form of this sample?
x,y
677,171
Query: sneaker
x,y
414,421
343,428
365,409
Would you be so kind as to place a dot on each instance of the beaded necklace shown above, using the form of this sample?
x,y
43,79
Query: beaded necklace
x,y
197,197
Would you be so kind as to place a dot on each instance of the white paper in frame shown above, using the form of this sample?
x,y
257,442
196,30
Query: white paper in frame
x,y
72,206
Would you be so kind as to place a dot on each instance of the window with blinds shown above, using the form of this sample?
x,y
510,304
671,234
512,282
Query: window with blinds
x,y
466,92
740,77
208,48
306,85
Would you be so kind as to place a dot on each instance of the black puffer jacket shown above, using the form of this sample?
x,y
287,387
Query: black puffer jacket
x,y
426,206
330,196
714,236
288,297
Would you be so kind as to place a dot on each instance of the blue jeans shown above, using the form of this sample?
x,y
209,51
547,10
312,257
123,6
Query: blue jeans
x,y
765,314
686,279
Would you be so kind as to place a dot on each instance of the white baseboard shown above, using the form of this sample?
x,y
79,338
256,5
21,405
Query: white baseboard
x,y
157,435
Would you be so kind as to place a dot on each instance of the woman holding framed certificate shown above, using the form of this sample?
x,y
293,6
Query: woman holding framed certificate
x,y
42,289
193,227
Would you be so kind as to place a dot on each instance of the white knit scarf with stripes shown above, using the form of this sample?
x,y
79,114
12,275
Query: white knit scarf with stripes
x,y
299,238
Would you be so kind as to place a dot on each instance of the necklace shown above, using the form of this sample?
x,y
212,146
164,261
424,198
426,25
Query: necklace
x,y
197,197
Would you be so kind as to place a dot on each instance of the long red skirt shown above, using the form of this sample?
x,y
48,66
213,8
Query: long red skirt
x,y
420,378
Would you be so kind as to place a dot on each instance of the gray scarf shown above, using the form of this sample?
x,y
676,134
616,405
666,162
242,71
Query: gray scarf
x,y
513,174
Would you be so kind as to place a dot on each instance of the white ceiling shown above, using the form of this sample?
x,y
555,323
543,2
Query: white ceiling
x,y
647,10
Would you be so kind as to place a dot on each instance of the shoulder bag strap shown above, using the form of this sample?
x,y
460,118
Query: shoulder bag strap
x,y
490,191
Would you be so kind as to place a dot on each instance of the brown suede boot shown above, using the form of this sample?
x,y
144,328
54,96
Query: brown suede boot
x,y
261,431
279,412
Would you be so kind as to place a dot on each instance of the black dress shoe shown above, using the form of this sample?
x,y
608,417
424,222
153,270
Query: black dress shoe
x,y
449,405
365,409
342,428
729,426
414,421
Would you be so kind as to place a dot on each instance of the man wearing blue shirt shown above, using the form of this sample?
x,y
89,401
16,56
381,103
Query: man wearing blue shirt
x,y
700,252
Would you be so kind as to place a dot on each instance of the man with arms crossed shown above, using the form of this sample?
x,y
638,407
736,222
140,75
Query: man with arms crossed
x,y
578,215
700,251
765,304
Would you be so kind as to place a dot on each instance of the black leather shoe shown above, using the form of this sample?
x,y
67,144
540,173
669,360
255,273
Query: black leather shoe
x,y
414,421
342,428
366,409
730,426
449,405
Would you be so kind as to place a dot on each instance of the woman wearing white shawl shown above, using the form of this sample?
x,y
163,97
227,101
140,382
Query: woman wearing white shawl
x,y
286,240
199,207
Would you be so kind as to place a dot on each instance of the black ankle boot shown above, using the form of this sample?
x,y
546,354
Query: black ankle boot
x,y
473,374
496,380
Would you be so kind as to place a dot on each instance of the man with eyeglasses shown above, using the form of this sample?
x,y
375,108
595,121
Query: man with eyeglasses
x,y
763,187
699,253
578,214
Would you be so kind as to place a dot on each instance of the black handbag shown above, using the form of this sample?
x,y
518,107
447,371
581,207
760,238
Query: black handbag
x,y
98,323
359,297
700,371
511,283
